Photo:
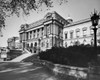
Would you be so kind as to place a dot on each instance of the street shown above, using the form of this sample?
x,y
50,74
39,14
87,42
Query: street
x,y
25,71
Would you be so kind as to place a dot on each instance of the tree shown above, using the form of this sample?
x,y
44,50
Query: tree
x,y
10,7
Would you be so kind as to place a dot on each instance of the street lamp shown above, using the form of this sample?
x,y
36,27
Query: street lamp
x,y
95,20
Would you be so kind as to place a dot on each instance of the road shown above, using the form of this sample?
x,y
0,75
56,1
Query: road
x,y
26,71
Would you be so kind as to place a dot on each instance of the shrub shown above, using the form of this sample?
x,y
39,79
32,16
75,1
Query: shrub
x,y
73,55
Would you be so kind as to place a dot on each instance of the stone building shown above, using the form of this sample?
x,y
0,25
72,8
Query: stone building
x,y
14,43
80,32
45,33
54,30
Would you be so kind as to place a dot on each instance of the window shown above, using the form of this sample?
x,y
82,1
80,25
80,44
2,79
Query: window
x,y
66,35
42,32
66,44
71,43
47,44
77,43
35,45
77,34
27,35
84,42
91,30
27,45
84,31
33,34
92,42
71,34
48,30
30,34
31,45
38,33
42,44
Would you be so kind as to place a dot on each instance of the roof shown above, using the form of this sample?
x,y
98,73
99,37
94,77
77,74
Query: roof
x,y
47,17
78,22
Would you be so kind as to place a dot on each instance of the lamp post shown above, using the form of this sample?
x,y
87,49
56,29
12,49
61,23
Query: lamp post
x,y
52,31
95,20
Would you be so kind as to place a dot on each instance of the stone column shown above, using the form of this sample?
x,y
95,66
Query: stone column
x,y
40,32
28,35
45,31
36,34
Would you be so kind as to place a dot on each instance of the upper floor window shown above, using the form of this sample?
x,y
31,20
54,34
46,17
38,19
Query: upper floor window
x,y
91,30
60,32
66,35
31,35
84,31
77,33
48,30
27,35
66,44
47,44
42,32
71,34
34,34
42,44
38,33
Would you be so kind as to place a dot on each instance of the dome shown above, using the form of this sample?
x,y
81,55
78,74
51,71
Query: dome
x,y
69,19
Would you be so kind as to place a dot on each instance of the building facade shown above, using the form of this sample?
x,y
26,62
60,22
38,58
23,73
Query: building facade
x,y
54,30
13,43
43,34
80,32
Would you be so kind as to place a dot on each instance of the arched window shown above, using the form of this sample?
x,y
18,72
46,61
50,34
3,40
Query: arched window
x,y
66,44
77,43
71,43
84,42
35,44
77,32
92,43
27,45
84,31
31,45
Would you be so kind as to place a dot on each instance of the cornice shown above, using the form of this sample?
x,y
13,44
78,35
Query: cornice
x,y
78,22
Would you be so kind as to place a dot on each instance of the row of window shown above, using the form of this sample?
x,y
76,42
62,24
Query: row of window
x,y
84,31
42,44
78,43
35,34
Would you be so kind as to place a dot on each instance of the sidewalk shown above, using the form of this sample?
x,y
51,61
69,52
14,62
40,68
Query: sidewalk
x,y
23,56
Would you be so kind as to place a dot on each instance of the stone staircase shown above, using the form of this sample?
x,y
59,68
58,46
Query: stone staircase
x,y
23,56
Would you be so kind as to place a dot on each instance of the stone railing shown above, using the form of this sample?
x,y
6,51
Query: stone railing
x,y
78,72
94,73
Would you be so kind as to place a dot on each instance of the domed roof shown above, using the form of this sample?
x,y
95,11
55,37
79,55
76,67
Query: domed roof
x,y
69,19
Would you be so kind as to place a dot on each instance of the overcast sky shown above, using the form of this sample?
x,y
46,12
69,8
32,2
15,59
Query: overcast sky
x,y
76,9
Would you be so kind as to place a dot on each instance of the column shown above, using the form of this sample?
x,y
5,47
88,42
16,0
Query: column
x,y
33,33
40,32
45,31
28,35
36,33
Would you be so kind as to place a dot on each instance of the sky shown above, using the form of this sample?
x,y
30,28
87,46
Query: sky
x,y
76,9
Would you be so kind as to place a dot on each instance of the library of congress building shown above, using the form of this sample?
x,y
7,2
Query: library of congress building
x,y
54,30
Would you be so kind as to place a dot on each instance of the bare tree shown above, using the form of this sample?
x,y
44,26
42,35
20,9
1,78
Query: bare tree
x,y
9,7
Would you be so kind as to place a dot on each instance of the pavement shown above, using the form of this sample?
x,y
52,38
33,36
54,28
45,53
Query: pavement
x,y
26,71
23,56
